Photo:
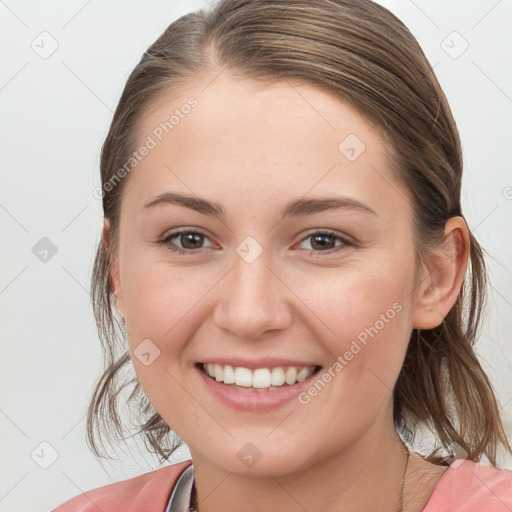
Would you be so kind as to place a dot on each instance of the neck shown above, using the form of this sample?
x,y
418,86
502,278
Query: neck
x,y
364,476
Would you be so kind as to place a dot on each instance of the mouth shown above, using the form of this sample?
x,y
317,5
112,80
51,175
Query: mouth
x,y
258,379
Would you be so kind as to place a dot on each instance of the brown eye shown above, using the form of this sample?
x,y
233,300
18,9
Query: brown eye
x,y
323,242
326,241
190,241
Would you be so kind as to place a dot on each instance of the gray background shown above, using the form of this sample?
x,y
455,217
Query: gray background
x,y
55,111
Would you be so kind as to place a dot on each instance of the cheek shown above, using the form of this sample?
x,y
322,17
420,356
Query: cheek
x,y
159,297
164,307
367,318
351,300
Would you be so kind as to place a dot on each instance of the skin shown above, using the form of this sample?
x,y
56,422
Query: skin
x,y
288,303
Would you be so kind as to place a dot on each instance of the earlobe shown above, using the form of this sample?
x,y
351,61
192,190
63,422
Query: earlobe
x,y
444,275
115,282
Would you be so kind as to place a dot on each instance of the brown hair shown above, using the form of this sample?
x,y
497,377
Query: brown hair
x,y
365,54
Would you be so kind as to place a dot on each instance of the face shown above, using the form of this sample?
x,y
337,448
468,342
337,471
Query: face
x,y
304,263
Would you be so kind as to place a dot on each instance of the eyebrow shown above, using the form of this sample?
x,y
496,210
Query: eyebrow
x,y
295,208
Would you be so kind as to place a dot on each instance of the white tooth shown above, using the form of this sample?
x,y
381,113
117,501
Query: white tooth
x,y
243,377
303,374
261,378
278,377
218,373
291,375
229,375
210,368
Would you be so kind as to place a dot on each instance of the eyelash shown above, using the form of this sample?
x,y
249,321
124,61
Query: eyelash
x,y
345,242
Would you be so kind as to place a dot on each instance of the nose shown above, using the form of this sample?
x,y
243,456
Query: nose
x,y
254,300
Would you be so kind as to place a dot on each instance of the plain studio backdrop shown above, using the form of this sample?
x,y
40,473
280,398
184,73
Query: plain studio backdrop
x,y
62,71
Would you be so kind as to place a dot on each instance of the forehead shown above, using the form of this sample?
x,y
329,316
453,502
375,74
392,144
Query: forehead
x,y
262,106
262,138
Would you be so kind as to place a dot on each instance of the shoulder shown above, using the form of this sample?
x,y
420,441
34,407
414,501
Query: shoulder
x,y
143,493
472,487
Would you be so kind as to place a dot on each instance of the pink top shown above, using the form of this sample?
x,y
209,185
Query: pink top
x,y
471,487
468,487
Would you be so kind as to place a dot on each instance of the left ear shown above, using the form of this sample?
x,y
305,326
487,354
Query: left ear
x,y
442,280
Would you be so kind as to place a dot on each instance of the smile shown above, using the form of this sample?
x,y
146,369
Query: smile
x,y
259,379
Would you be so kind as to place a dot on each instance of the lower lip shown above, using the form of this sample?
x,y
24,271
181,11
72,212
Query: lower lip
x,y
256,401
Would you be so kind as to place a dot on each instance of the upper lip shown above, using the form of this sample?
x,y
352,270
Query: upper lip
x,y
268,362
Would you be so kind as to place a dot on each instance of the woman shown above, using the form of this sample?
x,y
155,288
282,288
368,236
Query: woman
x,y
292,272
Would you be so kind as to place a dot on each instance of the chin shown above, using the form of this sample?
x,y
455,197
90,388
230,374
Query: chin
x,y
258,458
